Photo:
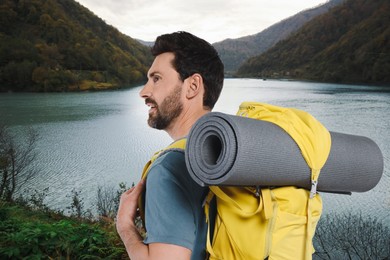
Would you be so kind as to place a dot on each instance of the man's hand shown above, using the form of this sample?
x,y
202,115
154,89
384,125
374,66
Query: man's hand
x,y
125,225
127,211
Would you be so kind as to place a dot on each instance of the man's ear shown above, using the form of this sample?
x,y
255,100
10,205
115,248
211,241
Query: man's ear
x,y
195,85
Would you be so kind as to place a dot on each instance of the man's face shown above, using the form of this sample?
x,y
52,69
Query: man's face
x,y
162,92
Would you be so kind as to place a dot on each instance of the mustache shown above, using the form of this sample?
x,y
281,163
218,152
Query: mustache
x,y
152,101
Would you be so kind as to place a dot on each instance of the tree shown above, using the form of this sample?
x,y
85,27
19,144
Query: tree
x,y
107,201
351,236
16,158
76,208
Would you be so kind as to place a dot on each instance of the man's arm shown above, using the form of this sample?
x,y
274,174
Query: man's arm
x,y
132,240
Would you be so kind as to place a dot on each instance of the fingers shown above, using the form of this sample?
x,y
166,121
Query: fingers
x,y
130,190
128,205
140,186
136,190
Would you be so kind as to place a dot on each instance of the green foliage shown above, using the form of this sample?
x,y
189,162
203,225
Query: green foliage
x,y
348,44
37,198
76,208
37,237
49,45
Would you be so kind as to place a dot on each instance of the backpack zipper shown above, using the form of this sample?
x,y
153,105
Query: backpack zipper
x,y
270,227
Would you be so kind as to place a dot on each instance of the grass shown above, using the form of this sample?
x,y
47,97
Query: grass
x,y
37,234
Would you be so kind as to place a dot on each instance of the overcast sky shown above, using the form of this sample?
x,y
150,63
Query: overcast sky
x,y
213,20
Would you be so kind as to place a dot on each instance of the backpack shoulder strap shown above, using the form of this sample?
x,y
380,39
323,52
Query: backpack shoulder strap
x,y
178,145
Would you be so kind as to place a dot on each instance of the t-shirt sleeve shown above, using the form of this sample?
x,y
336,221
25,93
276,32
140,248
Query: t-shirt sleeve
x,y
169,214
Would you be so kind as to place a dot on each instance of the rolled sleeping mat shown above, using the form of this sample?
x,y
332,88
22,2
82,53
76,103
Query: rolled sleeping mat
x,y
225,149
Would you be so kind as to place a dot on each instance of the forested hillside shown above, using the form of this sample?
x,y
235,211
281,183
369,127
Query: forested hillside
x,y
59,45
349,44
234,52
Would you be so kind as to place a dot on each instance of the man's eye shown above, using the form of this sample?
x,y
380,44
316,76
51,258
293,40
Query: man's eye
x,y
155,78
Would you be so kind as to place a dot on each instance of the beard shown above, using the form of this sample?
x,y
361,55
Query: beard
x,y
170,108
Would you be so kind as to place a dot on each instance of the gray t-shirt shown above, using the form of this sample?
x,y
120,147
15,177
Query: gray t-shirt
x,y
173,206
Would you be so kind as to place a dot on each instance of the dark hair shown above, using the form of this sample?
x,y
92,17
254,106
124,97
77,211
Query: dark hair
x,y
194,55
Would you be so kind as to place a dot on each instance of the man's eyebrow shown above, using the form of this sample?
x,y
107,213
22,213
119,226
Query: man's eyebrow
x,y
151,74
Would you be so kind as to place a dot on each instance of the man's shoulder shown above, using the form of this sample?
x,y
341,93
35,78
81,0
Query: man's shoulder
x,y
172,161
171,157
171,167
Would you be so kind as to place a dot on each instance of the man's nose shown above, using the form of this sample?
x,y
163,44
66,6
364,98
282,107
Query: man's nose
x,y
145,92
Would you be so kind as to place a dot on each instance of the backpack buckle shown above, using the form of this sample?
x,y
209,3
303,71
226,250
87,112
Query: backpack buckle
x,y
257,193
313,190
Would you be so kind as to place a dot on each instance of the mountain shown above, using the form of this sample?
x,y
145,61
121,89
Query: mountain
x,y
146,43
234,52
59,45
348,44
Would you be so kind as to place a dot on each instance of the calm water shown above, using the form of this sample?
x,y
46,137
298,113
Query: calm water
x,y
101,139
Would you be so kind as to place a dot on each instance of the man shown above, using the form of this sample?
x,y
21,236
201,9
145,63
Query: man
x,y
184,83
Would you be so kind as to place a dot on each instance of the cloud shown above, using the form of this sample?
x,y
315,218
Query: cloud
x,y
213,20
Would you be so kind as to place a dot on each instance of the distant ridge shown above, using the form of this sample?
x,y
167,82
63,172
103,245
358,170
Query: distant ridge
x,y
348,44
146,43
234,52
59,45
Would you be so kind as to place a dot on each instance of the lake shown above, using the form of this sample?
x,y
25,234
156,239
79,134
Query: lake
x,y
95,139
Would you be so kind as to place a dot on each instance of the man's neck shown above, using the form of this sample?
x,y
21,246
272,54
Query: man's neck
x,y
182,125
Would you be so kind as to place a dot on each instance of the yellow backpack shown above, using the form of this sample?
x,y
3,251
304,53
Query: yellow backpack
x,y
273,223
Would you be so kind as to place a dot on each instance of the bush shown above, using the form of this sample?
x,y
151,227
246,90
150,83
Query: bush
x,y
27,233
351,236
107,200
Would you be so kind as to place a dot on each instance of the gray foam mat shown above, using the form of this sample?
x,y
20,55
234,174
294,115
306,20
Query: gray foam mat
x,y
225,149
